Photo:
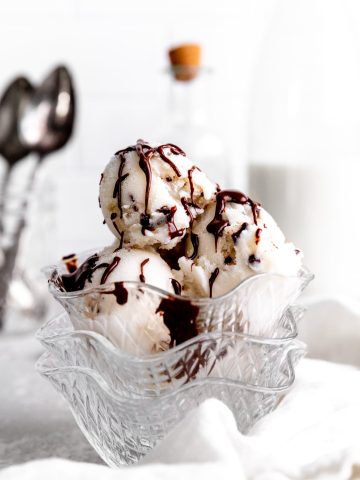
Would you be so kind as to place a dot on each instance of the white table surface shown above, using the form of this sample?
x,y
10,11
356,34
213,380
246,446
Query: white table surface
x,y
34,419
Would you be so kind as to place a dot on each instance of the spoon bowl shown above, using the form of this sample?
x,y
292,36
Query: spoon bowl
x,y
48,118
12,104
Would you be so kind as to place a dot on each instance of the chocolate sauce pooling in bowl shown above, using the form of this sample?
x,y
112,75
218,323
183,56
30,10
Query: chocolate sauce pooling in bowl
x,y
180,318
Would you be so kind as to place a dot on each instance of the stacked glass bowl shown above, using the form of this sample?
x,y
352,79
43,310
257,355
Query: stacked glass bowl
x,y
244,355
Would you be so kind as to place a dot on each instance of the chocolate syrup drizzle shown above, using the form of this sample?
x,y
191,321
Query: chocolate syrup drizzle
x,y
118,230
121,233
217,224
110,267
142,265
212,279
144,163
145,153
173,149
118,184
76,280
120,292
190,172
176,286
172,228
171,257
185,204
257,236
121,239
253,259
195,243
145,223
235,236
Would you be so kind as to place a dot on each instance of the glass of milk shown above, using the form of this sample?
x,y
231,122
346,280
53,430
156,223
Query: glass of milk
x,y
304,138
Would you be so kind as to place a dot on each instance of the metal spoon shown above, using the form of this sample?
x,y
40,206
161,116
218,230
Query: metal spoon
x,y
12,103
45,125
48,119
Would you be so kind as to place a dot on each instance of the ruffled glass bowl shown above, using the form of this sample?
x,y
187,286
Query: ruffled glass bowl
x,y
244,354
253,361
122,429
255,306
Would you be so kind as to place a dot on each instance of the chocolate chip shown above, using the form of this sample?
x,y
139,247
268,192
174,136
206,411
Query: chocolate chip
x,y
253,259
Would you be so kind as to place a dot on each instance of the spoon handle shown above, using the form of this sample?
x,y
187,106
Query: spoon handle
x,y
11,252
4,184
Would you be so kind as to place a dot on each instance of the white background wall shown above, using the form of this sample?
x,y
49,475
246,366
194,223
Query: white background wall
x,y
116,51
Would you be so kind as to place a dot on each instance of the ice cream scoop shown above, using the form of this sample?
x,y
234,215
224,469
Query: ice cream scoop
x,y
130,320
150,196
177,231
234,239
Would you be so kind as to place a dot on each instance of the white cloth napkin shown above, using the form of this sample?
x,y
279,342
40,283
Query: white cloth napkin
x,y
331,329
314,434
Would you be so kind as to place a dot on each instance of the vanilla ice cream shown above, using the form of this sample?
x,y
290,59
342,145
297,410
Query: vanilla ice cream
x,y
234,239
177,231
150,196
128,317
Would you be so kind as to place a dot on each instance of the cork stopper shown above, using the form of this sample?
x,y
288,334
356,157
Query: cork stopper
x,y
185,61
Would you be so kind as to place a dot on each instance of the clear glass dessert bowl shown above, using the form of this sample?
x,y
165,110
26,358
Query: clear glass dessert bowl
x,y
242,350
123,429
255,306
252,360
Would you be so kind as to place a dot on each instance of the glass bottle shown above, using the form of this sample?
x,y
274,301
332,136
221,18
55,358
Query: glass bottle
x,y
188,120
304,144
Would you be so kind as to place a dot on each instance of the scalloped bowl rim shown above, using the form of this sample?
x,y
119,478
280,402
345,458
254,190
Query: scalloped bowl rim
x,y
304,274
48,371
107,345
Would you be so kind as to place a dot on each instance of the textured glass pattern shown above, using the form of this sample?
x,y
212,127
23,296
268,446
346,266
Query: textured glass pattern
x,y
251,360
254,307
244,354
122,429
